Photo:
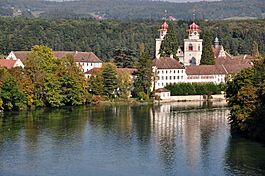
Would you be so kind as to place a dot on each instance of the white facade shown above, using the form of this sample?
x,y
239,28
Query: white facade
x,y
193,46
86,66
166,77
216,79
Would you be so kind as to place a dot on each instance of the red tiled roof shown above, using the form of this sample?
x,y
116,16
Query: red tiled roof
x,y
161,90
167,63
7,63
205,70
235,60
131,71
93,70
216,51
78,56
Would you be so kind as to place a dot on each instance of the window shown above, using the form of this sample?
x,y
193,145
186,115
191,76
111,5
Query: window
x,y
162,77
178,77
166,72
166,77
170,78
174,71
190,47
178,71
162,72
174,77
199,48
157,72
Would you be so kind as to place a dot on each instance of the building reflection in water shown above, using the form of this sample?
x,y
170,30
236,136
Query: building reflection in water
x,y
189,136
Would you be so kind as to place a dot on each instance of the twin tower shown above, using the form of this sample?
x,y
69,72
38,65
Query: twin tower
x,y
191,52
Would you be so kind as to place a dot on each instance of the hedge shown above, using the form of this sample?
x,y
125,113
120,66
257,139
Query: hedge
x,y
195,89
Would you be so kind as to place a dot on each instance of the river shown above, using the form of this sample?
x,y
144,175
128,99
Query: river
x,y
169,139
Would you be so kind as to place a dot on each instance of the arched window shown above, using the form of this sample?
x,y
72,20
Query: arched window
x,y
193,61
190,47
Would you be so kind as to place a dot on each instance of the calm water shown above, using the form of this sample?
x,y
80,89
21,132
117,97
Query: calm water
x,y
125,140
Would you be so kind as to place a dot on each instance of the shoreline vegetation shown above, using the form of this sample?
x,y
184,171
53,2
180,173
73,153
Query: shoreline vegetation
x,y
246,98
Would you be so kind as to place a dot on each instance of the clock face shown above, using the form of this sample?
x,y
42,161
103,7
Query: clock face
x,y
195,33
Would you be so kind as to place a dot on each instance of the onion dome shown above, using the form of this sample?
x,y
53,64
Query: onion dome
x,y
194,27
164,26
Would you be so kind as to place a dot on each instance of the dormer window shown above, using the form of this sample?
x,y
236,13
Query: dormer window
x,y
190,47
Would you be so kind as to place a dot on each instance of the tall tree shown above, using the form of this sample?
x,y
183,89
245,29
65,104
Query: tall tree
x,y
207,52
124,58
144,75
255,49
169,45
110,79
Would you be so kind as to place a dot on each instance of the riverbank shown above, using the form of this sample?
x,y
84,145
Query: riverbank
x,y
192,98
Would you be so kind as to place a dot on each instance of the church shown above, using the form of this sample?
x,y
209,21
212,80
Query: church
x,y
168,70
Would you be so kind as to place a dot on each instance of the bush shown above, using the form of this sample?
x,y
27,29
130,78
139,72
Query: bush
x,y
142,96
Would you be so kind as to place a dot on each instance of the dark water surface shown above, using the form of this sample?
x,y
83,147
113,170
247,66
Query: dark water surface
x,y
176,139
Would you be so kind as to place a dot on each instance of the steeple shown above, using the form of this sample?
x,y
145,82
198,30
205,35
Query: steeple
x,y
163,29
194,31
216,42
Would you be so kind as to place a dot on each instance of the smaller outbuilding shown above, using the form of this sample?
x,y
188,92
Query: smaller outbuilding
x,y
163,93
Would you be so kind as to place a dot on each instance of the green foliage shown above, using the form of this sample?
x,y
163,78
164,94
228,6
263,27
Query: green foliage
x,y
11,97
169,45
255,49
124,85
144,75
20,34
143,96
245,94
195,89
110,80
124,58
207,52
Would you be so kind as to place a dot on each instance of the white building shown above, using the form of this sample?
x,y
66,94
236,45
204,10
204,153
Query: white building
x,y
86,60
167,71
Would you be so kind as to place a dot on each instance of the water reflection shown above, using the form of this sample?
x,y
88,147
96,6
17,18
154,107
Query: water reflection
x,y
168,139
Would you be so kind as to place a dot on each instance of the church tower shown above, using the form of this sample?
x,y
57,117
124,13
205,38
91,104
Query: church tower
x,y
163,32
193,46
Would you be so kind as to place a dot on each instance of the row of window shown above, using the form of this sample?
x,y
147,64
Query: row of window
x,y
88,64
170,77
164,84
170,71
203,77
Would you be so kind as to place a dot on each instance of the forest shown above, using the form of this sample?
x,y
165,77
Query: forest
x,y
106,37
139,9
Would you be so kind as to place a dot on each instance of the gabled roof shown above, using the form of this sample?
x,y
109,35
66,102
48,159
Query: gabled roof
x,y
131,71
161,90
7,63
167,63
78,56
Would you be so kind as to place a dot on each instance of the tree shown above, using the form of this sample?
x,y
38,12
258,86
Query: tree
x,y
95,83
207,52
143,75
124,84
11,97
110,79
169,45
124,58
255,49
